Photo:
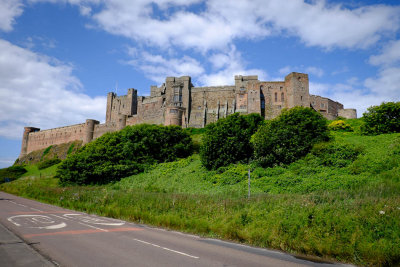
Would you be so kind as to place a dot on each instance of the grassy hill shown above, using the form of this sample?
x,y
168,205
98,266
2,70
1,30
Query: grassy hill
x,y
332,203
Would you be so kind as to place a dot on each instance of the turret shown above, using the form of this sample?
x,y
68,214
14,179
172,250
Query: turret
x,y
89,130
25,139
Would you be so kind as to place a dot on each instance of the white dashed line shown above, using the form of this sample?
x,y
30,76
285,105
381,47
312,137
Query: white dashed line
x,y
36,209
91,226
157,246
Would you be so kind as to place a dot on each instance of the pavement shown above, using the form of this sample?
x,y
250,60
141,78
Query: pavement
x,y
37,234
15,252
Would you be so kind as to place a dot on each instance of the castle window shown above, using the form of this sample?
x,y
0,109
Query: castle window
x,y
261,87
322,105
262,98
276,97
174,111
281,88
301,98
282,97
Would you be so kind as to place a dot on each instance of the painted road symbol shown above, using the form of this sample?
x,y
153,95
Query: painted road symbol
x,y
93,220
36,221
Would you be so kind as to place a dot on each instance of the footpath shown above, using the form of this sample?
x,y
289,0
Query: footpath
x,y
15,252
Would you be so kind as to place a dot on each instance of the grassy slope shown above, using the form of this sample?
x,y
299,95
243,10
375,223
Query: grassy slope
x,y
350,214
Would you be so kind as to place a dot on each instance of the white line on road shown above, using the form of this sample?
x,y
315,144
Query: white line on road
x,y
157,246
36,209
91,226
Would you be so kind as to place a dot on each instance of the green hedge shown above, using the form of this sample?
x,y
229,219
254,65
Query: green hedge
x,y
120,154
11,173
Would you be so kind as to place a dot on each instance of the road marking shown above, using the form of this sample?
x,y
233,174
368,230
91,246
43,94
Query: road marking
x,y
36,220
37,212
157,246
78,232
36,209
91,226
93,220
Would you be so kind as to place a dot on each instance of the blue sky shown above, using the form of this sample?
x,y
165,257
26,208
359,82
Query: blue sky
x,y
59,58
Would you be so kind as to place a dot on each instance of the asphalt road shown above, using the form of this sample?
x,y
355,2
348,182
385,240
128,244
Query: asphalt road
x,y
70,238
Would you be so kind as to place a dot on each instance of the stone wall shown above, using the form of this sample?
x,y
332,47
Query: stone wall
x,y
348,113
43,139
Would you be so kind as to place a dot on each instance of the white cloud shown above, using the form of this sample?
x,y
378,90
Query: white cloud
x,y
332,25
225,66
9,10
387,84
157,67
390,55
36,90
302,69
317,24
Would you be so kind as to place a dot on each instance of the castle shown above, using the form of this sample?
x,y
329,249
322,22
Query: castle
x,y
178,102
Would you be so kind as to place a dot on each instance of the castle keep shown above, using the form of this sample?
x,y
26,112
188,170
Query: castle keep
x,y
178,102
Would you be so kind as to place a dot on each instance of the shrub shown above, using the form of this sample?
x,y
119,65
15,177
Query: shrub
x,y
227,141
48,163
11,173
340,125
289,136
382,119
335,154
120,154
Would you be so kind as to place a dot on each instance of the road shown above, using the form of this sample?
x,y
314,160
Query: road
x,y
70,238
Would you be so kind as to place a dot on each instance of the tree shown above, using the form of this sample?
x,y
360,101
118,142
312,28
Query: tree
x,y
289,136
381,119
227,141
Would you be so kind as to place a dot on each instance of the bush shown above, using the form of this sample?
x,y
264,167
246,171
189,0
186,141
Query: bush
x,y
11,173
335,154
288,137
227,141
48,163
120,154
340,125
382,119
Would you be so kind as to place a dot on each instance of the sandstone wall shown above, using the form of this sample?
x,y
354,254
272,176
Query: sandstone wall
x,y
43,139
348,113
210,103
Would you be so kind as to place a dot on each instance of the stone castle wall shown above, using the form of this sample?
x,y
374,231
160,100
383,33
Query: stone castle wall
x,y
178,102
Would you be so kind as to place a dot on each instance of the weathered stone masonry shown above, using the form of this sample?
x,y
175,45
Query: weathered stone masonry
x,y
178,102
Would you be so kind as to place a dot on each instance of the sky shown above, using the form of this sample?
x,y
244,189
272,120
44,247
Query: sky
x,y
60,58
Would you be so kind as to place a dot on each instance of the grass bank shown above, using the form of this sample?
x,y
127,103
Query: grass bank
x,y
342,210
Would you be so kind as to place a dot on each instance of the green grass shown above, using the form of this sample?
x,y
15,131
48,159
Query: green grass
x,y
349,213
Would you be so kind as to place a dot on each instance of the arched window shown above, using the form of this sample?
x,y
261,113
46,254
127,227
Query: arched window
x,y
282,97
262,104
276,97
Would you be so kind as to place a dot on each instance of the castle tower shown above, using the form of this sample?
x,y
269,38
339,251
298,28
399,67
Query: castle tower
x,y
243,85
25,140
110,99
297,90
178,99
89,130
